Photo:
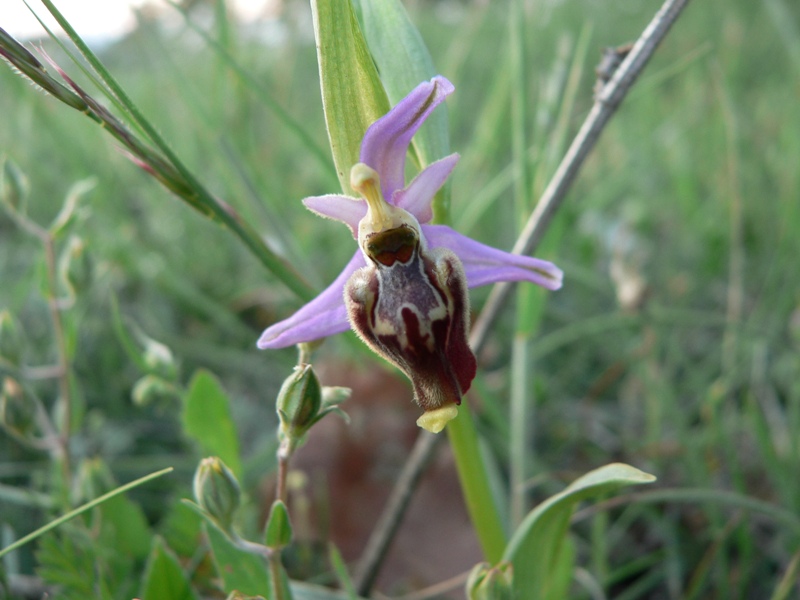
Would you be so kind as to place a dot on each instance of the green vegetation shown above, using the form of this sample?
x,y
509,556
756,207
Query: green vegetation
x,y
674,345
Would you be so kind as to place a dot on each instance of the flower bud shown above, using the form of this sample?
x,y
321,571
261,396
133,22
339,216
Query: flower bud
x,y
14,186
151,390
75,266
10,340
217,491
70,211
278,531
17,409
490,583
299,402
159,359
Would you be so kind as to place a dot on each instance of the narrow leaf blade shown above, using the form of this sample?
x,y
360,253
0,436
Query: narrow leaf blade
x,y
352,94
538,546
164,578
207,419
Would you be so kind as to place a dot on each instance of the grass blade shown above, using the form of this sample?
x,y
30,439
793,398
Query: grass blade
x,y
194,193
352,94
82,509
263,94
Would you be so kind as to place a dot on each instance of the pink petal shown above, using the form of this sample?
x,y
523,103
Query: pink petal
x,y
386,141
339,208
484,265
325,315
417,197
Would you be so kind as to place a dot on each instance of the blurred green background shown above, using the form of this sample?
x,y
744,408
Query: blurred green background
x,y
673,345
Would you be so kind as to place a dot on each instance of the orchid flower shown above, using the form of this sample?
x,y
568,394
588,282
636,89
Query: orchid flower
x,y
404,292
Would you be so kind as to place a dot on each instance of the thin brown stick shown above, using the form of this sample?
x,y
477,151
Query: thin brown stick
x,y
383,533
605,106
606,103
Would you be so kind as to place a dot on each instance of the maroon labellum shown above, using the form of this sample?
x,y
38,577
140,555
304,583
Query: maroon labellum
x,y
413,311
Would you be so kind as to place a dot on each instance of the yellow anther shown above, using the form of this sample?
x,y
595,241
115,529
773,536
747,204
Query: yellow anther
x,y
435,420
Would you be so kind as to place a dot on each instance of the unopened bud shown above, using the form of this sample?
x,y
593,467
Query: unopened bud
x,y
299,402
10,340
75,266
17,409
159,359
491,583
278,531
70,211
14,186
217,491
151,390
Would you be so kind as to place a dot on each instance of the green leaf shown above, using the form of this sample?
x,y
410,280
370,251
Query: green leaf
x,y
82,509
404,62
241,571
308,591
132,534
337,562
207,419
539,548
352,94
181,528
164,579
66,560
278,532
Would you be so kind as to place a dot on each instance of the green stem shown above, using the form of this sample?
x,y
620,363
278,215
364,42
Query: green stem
x,y
481,504
518,438
62,355
280,589
519,421
82,509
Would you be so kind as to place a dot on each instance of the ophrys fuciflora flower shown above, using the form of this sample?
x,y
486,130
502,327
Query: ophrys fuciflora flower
x,y
404,292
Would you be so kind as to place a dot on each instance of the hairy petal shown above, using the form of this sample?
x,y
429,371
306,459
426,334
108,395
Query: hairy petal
x,y
325,315
415,315
418,196
484,265
386,141
339,208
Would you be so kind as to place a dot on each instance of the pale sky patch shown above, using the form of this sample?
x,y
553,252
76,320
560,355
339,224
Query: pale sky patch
x,y
100,18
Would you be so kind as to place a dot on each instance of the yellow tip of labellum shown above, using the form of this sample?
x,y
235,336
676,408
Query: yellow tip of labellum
x,y
435,420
